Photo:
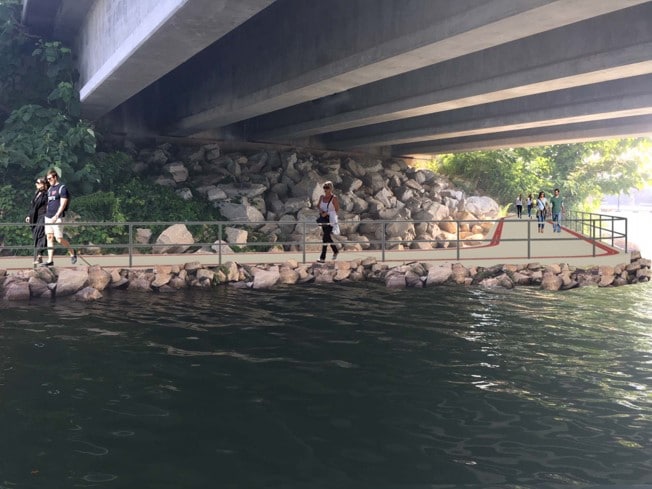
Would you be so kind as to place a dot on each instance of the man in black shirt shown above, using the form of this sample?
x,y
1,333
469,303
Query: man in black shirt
x,y
58,199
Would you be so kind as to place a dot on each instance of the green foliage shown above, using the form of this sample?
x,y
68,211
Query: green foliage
x,y
583,172
503,174
146,202
36,138
138,201
40,108
112,169
15,60
7,201
99,206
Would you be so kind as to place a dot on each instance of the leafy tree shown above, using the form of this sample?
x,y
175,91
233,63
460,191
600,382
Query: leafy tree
x,y
584,171
40,126
588,171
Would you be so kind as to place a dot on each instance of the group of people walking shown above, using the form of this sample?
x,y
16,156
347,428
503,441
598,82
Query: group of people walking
x,y
50,202
543,208
46,213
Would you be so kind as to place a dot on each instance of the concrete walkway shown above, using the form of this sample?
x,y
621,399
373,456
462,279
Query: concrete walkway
x,y
511,241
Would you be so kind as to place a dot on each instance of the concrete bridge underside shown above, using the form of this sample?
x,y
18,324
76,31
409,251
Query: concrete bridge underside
x,y
397,77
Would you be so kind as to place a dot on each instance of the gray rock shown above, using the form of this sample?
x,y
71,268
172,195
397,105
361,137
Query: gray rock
x,y
98,278
70,281
87,294
140,284
17,291
241,212
439,275
38,288
395,281
177,171
265,279
551,282
174,239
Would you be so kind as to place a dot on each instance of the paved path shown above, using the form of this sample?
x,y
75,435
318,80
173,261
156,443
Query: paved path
x,y
507,243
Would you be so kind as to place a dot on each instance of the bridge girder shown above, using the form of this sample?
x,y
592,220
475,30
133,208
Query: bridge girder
x,y
381,75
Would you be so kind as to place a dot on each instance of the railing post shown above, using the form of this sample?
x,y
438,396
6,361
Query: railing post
x,y
457,239
303,245
219,248
131,244
529,239
593,233
382,243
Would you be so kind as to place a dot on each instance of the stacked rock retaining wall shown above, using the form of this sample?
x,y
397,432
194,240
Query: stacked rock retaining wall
x,y
92,283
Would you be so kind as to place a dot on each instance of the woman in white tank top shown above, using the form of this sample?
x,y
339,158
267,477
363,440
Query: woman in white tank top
x,y
328,206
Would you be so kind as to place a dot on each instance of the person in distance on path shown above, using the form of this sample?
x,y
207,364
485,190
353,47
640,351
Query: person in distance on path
x,y
542,208
557,203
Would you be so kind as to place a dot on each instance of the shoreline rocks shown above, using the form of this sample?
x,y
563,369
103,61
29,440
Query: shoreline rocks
x,y
90,283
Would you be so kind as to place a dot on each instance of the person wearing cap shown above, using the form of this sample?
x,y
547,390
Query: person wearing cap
x,y
36,218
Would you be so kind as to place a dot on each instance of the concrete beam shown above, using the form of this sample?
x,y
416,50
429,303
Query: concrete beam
x,y
565,57
126,46
69,18
365,42
38,15
614,99
626,127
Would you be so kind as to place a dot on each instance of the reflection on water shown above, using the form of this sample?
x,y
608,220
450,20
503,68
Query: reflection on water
x,y
342,386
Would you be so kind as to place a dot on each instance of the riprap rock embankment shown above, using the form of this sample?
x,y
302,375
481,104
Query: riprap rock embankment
x,y
92,283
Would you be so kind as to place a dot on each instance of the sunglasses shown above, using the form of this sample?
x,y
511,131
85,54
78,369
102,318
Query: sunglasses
x,y
326,187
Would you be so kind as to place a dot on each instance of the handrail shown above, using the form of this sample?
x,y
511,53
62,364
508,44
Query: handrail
x,y
597,228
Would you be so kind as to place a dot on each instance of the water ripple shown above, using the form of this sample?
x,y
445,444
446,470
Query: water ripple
x,y
332,386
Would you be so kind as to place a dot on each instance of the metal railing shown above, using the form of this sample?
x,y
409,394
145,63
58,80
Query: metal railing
x,y
303,237
600,228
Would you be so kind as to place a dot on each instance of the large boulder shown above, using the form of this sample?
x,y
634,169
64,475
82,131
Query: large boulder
x,y
177,171
265,279
439,275
38,287
241,212
70,281
174,239
551,282
98,278
483,207
87,294
236,235
16,290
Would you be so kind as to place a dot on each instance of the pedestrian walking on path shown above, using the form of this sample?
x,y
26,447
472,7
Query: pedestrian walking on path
x,y
36,218
58,198
328,206
519,206
542,209
557,203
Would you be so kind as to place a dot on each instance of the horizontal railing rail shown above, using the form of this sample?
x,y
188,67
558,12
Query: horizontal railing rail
x,y
303,237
